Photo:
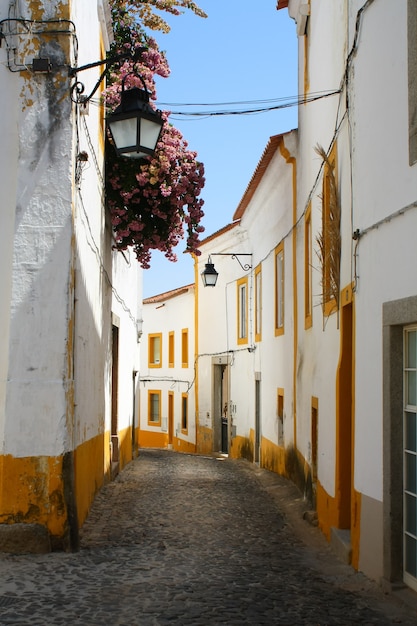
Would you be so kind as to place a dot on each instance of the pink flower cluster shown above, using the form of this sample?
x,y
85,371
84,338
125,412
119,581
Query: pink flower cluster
x,y
154,203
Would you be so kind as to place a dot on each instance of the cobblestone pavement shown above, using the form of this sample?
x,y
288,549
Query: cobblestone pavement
x,y
181,539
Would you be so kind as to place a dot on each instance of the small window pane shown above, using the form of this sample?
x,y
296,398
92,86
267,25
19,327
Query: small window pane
x,y
411,349
410,432
280,289
411,513
411,379
411,555
242,304
410,472
154,408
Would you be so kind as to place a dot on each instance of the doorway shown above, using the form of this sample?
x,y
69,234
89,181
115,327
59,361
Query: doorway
x,y
257,442
221,418
170,417
114,395
344,480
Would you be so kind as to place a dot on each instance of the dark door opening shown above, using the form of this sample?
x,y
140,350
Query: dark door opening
x,y
114,395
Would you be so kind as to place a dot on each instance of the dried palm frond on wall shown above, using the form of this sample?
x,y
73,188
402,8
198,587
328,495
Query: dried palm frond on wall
x,y
329,239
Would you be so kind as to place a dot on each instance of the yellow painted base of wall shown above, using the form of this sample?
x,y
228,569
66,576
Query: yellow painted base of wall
x,y
180,445
204,440
242,447
32,491
126,444
91,468
327,512
272,457
328,517
152,439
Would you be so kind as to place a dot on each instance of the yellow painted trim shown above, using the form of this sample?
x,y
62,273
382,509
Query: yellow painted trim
x,y
196,362
279,251
344,418
171,348
308,295
258,305
293,162
158,393
184,347
239,284
151,350
171,415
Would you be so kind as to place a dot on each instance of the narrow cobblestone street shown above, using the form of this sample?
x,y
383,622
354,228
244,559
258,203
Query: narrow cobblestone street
x,y
181,539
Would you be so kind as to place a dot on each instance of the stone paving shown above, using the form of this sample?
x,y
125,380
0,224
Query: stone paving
x,y
201,541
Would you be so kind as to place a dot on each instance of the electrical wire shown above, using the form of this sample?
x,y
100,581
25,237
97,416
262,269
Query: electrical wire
x,y
285,103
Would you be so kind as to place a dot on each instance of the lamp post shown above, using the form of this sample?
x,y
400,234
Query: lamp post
x,y
209,274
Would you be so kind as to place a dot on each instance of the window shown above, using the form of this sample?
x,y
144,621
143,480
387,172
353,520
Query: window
x,y
280,415
412,80
154,408
258,303
184,412
155,350
242,303
308,308
184,347
171,348
330,242
279,289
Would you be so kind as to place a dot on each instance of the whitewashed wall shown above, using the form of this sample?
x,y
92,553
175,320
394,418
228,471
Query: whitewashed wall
x,y
383,184
173,311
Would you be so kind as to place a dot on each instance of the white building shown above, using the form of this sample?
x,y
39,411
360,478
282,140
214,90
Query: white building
x,y
356,355
245,339
330,398
68,312
168,372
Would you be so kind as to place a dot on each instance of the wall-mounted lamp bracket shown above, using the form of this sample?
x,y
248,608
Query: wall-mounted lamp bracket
x,y
209,274
235,255
78,87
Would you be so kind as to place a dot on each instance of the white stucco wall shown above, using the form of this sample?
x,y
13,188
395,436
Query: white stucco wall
x,y
383,184
38,163
172,312
61,280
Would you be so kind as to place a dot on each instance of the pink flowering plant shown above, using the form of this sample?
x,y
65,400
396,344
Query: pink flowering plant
x,y
154,202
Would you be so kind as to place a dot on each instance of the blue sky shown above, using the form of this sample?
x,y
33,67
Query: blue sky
x,y
243,52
